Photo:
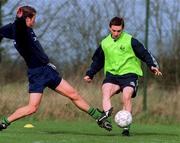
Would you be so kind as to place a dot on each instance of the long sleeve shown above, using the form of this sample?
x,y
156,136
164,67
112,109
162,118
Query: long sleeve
x,y
6,32
143,54
97,62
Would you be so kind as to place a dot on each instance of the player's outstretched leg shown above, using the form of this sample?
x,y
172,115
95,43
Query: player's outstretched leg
x,y
104,121
4,123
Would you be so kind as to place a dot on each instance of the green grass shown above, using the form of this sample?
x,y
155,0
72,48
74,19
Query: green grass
x,y
87,132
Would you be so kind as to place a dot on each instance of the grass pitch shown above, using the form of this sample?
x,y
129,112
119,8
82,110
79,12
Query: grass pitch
x,y
87,132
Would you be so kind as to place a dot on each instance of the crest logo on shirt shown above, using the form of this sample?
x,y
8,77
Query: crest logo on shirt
x,y
35,38
122,48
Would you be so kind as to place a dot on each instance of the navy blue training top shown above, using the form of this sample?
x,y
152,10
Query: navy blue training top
x,y
26,43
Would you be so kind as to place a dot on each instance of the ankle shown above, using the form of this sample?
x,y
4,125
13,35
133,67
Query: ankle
x,y
5,121
127,128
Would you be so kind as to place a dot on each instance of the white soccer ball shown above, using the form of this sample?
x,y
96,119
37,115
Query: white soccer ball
x,y
123,118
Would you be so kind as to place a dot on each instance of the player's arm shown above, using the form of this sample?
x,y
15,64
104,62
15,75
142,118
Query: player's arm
x,y
6,32
96,65
145,56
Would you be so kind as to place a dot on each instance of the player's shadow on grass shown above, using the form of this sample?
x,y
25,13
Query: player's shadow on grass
x,y
82,133
153,134
108,133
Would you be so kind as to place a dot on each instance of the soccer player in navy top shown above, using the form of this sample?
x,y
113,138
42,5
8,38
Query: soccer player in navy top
x,y
41,73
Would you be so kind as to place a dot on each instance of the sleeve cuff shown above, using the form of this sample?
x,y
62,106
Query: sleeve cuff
x,y
88,73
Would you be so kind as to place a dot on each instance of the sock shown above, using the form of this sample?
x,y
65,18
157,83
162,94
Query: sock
x,y
95,113
5,121
127,128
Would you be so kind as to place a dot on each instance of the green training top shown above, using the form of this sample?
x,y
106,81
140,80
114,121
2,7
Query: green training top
x,y
120,58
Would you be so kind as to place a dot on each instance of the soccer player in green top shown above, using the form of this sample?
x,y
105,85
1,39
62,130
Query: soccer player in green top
x,y
119,54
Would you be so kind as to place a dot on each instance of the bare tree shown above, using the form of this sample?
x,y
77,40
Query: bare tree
x,y
165,28
70,30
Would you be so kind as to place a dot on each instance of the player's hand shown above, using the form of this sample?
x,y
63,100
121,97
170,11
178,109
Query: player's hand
x,y
156,71
87,79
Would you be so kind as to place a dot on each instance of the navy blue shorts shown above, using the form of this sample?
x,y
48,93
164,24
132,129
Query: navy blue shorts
x,y
42,77
123,81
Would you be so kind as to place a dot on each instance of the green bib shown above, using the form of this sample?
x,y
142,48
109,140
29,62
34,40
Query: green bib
x,y
120,58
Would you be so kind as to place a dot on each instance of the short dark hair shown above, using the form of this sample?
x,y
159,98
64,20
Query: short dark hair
x,y
117,21
27,11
